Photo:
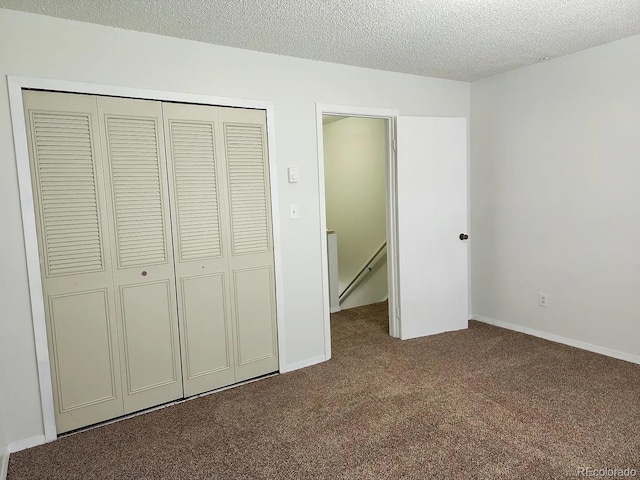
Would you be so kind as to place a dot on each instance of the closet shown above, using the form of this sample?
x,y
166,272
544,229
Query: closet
x,y
156,250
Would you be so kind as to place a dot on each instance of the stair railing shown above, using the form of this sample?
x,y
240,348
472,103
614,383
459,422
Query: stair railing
x,y
362,272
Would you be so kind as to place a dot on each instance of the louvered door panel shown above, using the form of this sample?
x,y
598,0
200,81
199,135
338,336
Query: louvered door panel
x,y
64,162
73,240
200,229
137,196
133,143
245,152
251,266
196,190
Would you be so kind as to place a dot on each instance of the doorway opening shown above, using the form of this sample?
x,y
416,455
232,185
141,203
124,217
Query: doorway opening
x,y
357,183
427,211
355,178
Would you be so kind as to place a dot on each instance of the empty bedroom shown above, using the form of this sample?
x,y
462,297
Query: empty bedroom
x,y
287,240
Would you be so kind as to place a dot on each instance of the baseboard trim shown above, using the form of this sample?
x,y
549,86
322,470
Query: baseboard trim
x,y
559,339
4,462
304,363
26,443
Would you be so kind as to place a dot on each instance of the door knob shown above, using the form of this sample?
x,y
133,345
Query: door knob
x,y
463,236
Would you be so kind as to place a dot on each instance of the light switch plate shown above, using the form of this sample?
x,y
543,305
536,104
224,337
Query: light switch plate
x,y
293,212
293,175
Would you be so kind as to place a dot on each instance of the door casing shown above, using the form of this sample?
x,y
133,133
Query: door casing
x,y
392,234
395,315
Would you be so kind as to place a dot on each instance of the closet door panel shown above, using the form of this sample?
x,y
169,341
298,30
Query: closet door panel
x,y
251,258
200,224
195,185
149,349
254,313
144,274
73,241
138,198
248,185
207,352
83,349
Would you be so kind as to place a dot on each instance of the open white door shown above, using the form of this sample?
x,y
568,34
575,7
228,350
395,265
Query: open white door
x,y
432,222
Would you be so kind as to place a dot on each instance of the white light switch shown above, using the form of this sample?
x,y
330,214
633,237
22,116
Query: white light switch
x,y
293,175
293,212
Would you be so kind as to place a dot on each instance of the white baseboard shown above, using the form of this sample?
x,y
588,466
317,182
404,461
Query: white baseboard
x,y
564,340
335,310
26,443
4,462
304,363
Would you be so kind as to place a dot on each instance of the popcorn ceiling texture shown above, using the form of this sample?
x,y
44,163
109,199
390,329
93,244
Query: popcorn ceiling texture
x,y
455,39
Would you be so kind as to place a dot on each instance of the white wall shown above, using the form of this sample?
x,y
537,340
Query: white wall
x,y
373,288
555,202
38,46
355,166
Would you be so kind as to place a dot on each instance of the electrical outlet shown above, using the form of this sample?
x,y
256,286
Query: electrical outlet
x,y
543,301
294,214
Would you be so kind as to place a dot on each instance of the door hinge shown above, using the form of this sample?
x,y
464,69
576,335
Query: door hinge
x,y
398,313
394,145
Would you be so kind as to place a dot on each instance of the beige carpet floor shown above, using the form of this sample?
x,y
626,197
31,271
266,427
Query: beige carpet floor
x,y
481,403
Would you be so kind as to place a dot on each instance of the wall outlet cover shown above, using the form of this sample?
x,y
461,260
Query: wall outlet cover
x,y
543,299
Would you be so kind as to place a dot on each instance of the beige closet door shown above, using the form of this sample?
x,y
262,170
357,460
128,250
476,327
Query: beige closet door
x,y
142,250
131,241
73,240
200,220
251,267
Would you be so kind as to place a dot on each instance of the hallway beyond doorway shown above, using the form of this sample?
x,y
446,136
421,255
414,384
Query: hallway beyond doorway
x,y
355,167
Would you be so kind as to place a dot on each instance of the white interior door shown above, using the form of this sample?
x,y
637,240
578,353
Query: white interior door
x,y
432,215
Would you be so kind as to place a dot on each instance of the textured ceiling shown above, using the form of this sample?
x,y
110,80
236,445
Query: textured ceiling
x,y
455,39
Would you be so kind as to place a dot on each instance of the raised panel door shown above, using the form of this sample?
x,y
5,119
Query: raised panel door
x,y
251,263
73,241
200,226
133,144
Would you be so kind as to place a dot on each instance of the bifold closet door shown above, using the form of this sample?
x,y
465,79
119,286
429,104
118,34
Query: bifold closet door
x,y
200,226
75,257
219,177
251,265
157,268
143,272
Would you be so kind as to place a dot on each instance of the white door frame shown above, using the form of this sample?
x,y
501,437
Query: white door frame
x,y
16,85
392,224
